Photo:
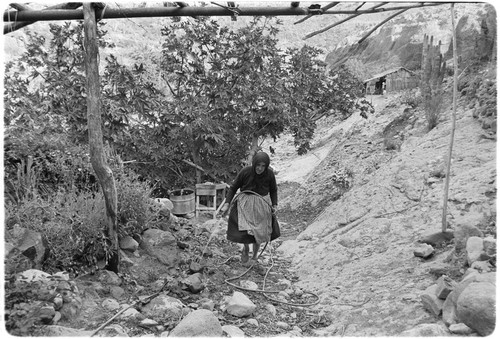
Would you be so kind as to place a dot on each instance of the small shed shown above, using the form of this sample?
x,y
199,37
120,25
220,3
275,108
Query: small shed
x,y
392,80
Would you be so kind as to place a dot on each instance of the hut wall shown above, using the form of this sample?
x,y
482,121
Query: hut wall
x,y
400,80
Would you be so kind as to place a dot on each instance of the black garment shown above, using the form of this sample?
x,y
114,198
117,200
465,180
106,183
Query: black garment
x,y
248,180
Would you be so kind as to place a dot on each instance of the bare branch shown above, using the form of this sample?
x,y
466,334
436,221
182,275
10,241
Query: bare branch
x,y
380,24
310,35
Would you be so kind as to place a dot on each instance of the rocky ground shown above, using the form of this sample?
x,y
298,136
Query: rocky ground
x,y
353,212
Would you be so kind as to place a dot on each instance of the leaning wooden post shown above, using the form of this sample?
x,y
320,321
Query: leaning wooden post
x,y
97,156
453,119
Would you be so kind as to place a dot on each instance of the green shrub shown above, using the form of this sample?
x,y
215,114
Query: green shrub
x,y
432,107
136,209
72,221
410,98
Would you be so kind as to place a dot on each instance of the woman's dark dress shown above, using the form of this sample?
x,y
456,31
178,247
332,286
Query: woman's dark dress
x,y
248,180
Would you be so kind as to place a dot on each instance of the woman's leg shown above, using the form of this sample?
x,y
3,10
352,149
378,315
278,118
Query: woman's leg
x,y
244,253
255,251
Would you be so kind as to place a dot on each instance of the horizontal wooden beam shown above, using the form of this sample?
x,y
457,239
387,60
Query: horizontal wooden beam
x,y
126,13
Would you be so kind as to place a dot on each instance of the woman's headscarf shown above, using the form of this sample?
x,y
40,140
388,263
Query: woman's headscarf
x,y
261,157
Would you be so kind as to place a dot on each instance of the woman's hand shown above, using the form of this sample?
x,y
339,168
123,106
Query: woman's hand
x,y
274,209
224,208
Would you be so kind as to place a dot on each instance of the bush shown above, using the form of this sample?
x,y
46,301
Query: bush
x,y
410,98
432,106
136,209
72,222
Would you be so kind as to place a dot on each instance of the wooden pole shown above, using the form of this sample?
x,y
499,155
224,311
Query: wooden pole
x,y
453,120
124,13
97,156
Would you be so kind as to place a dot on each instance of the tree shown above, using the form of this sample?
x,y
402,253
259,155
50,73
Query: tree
x,y
231,89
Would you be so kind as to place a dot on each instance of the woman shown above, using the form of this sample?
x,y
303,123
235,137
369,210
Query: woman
x,y
250,218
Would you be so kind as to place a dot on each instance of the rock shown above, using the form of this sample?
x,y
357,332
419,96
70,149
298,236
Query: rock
x,y
72,305
426,330
207,304
490,246
182,245
116,292
282,325
61,331
423,251
58,302
125,260
474,248
253,322
161,245
46,314
113,330
482,266
199,323
444,286
32,275
195,267
250,285
476,307
437,239
155,237
128,243
110,304
163,306
130,313
431,301
271,309
460,329
239,305
449,310
29,243
232,331
464,231
109,277
148,323
194,283
284,283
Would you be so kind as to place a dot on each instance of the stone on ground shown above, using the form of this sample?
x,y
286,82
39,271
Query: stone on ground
x,y
240,305
164,306
199,323
426,330
232,331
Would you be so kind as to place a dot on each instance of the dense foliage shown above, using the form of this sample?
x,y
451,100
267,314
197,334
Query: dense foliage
x,y
228,90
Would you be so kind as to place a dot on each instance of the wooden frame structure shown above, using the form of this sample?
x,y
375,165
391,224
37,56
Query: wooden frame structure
x,y
22,15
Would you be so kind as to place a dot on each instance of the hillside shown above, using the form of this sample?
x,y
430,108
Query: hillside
x,y
357,252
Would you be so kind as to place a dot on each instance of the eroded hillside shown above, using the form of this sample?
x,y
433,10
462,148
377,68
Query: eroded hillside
x,y
357,252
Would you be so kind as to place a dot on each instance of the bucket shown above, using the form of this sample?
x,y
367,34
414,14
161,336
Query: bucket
x,y
183,201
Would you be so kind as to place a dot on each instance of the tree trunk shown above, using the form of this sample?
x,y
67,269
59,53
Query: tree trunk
x,y
254,148
97,156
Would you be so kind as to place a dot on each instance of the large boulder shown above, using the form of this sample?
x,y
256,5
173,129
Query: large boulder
x,y
28,244
469,302
476,307
199,323
161,245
